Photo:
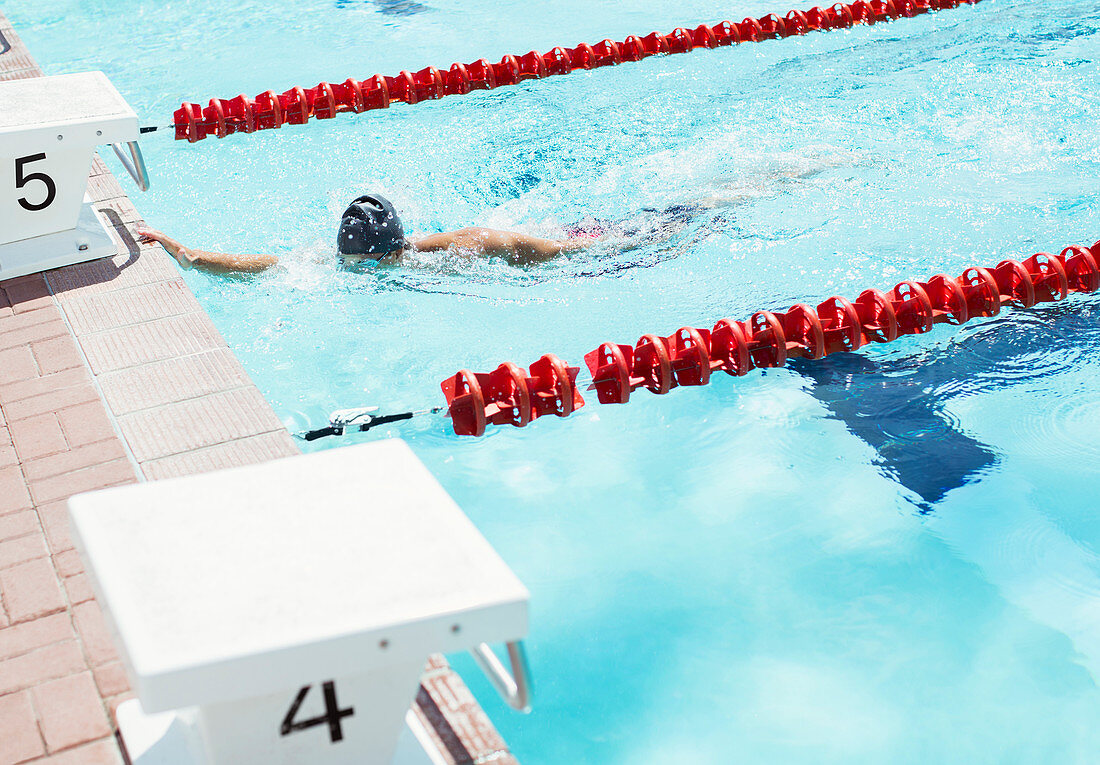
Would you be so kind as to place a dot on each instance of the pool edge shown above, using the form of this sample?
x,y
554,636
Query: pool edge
x,y
112,373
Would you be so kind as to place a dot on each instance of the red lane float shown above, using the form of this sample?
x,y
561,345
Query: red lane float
x,y
223,117
511,396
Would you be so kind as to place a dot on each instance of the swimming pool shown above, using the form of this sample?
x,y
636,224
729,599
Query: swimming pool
x,y
889,556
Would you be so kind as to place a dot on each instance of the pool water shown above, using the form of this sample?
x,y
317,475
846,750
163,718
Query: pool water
x,y
888,556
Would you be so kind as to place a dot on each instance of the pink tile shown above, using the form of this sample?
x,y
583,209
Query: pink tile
x,y
126,233
16,365
28,293
40,386
172,381
54,517
435,663
143,265
22,549
26,335
118,210
49,402
20,74
27,319
21,329
31,590
38,633
18,58
86,424
137,305
75,459
56,355
70,712
13,491
104,187
63,486
8,457
68,563
111,679
214,419
99,647
244,451
19,734
103,752
78,588
18,524
154,341
55,523
32,280
37,436
453,700
26,670
99,167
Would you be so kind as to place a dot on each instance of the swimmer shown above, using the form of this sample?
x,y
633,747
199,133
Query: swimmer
x,y
371,234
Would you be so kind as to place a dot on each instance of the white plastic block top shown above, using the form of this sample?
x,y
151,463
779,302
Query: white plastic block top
x,y
249,581
85,109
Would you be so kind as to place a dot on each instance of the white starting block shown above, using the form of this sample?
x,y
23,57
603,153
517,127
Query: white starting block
x,y
283,613
49,129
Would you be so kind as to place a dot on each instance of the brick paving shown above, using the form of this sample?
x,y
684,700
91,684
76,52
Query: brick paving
x,y
111,373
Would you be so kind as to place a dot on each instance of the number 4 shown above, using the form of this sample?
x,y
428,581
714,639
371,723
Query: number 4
x,y
333,714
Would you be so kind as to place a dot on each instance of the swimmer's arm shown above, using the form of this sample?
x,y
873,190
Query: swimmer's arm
x,y
211,261
516,248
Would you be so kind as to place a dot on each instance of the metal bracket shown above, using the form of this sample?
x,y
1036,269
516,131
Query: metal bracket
x,y
514,688
134,164
342,419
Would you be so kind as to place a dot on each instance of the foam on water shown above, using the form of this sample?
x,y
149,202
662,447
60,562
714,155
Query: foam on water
x,y
888,556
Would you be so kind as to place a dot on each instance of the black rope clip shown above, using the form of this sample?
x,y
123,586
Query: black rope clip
x,y
345,421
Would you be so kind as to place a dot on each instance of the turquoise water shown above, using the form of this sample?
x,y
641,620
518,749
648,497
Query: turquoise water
x,y
883,557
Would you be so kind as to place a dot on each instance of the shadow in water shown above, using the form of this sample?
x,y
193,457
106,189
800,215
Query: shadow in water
x,y
388,7
917,441
899,405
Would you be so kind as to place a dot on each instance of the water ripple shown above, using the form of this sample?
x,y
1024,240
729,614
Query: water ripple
x,y
1067,428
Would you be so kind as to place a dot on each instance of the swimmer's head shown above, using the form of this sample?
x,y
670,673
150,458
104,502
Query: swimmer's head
x,y
369,230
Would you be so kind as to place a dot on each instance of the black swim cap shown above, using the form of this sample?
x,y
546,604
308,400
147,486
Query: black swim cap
x,y
370,226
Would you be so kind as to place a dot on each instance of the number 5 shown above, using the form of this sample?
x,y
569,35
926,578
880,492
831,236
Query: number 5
x,y
22,180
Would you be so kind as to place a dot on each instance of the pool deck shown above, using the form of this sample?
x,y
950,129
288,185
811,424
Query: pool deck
x,y
111,373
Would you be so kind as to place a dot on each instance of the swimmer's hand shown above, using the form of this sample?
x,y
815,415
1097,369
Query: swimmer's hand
x,y
212,261
174,248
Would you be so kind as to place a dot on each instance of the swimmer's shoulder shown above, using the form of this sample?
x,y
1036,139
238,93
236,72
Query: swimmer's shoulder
x,y
432,242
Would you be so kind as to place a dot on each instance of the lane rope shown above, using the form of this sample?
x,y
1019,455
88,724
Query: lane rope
x,y
510,395
517,396
222,117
